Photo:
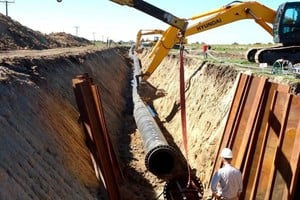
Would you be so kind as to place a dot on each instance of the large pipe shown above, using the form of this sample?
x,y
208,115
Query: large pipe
x,y
160,157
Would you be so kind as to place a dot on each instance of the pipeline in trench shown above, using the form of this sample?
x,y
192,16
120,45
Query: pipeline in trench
x,y
161,158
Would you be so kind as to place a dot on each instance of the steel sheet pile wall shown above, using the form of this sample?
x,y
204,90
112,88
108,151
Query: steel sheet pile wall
x,y
98,141
263,130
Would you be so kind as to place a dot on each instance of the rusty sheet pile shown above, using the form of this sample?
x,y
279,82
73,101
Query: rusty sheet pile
x,y
105,161
263,130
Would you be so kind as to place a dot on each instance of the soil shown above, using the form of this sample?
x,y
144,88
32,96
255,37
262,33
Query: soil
x,y
16,36
43,154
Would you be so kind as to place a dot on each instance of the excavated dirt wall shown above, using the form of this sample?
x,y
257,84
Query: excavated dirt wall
x,y
209,93
43,153
42,147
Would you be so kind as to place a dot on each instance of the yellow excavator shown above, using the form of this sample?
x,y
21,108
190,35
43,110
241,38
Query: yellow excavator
x,y
154,12
282,24
146,32
142,32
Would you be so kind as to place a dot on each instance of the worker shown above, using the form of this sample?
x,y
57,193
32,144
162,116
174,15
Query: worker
x,y
204,49
227,182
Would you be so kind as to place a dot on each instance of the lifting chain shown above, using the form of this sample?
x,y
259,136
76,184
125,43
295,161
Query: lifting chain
x,y
175,189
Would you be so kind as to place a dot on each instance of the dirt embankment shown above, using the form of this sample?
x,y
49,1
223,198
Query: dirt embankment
x,y
15,36
43,153
209,92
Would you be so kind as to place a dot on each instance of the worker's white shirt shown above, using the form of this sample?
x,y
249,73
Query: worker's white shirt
x,y
227,182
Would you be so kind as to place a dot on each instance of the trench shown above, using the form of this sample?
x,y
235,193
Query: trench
x,y
43,145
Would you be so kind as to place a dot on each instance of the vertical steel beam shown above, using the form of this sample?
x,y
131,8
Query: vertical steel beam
x,y
233,118
248,122
278,124
95,131
258,142
284,168
295,160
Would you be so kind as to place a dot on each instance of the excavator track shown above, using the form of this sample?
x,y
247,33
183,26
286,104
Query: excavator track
x,y
270,55
250,54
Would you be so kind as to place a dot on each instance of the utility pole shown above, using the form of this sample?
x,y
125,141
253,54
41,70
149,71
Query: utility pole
x,y
76,27
6,5
94,37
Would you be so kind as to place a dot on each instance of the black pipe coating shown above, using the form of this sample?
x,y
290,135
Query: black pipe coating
x,y
160,157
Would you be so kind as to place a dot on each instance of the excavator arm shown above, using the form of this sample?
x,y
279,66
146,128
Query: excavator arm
x,y
155,12
234,12
219,17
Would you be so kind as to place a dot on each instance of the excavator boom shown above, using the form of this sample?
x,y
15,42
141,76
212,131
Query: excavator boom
x,y
232,13
219,17
155,12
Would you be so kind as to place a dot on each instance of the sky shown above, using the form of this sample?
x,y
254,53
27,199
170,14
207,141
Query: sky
x,y
104,19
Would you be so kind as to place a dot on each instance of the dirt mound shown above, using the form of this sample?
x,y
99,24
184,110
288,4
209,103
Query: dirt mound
x,y
43,154
15,36
68,40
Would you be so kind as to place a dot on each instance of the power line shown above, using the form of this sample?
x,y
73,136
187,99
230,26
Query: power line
x,y
6,5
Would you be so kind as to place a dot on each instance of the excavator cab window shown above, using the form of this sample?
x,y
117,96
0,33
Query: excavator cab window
x,y
291,20
287,23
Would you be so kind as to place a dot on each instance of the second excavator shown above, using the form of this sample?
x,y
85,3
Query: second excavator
x,y
146,32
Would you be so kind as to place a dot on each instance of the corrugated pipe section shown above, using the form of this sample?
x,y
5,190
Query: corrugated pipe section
x,y
160,157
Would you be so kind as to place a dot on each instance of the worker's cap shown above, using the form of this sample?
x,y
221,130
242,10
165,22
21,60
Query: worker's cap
x,y
226,153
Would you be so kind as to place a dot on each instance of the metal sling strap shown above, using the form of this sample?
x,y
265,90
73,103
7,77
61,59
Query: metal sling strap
x,y
183,108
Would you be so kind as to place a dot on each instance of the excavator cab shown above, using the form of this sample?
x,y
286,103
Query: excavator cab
x,y
286,27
